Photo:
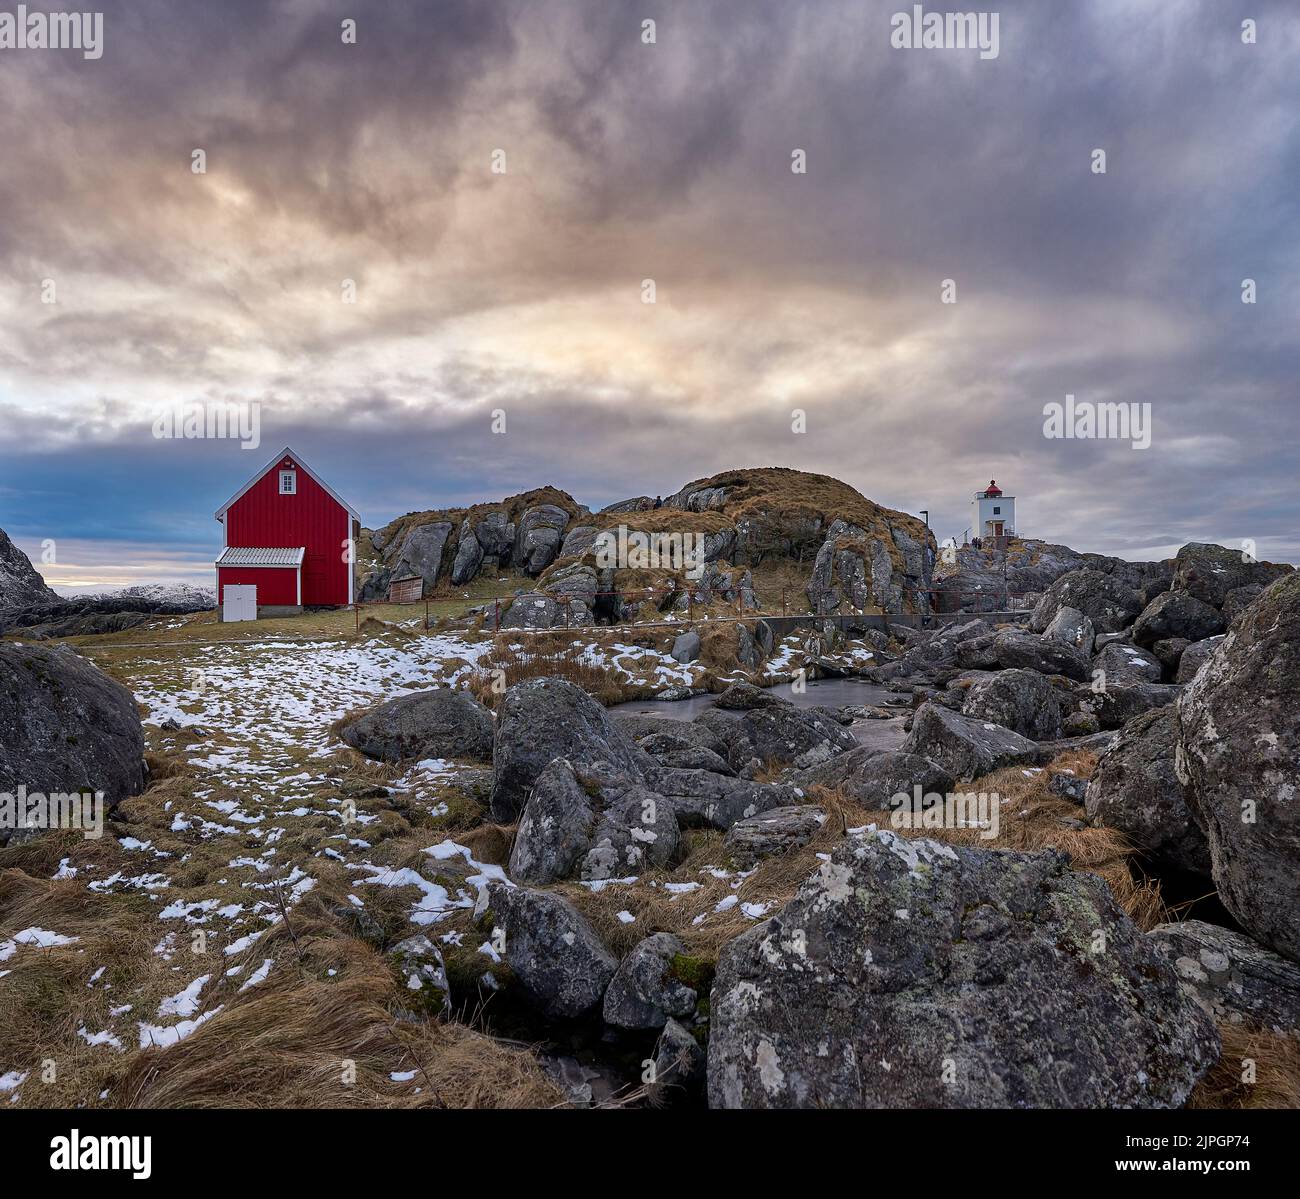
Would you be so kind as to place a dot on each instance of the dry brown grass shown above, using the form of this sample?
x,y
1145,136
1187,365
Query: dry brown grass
x,y
540,660
1276,1061
284,1043
1030,823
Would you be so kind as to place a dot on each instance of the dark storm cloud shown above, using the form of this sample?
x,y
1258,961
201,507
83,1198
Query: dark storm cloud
x,y
626,161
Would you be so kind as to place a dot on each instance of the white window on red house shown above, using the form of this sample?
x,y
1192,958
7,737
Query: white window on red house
x,y
288,482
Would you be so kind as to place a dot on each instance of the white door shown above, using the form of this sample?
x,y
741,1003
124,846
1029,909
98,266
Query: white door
x,y
239,601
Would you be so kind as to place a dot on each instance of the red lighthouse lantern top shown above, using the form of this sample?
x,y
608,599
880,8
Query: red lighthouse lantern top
x,y
993,488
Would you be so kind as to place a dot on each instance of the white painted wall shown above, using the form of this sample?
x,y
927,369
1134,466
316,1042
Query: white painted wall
x,y
984,511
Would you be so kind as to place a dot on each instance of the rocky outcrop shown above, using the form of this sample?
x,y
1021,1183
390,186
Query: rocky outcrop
x,y
703,799
537,543
469,556
1136,790
914,974
1210,572
544,719
1239,756
854,571
65,726
86,615
986,578
440,723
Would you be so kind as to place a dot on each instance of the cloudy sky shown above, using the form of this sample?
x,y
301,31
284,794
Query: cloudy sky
x,y
522,291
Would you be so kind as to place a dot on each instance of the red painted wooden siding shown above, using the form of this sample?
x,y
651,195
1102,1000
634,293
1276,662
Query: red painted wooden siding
x,y
312,518
275,585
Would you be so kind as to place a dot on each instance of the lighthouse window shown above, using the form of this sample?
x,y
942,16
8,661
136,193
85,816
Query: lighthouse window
x,y
997,511
288,482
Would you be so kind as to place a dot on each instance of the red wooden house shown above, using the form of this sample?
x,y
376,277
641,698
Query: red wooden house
x,y
287,538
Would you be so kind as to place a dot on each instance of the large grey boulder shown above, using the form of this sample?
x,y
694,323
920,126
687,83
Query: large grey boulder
x,y
1234,979
1072,627
703,799
908,973
686,647
496,534
641,726
1105,599
1121,702
1124,663
1136,790
574,588
745,697
1176,614
965,747
469,555
1239,755
579,541
771,833
538,540
1019,649
930,651
686,756
644,992
591,822
785,735
1020,700
421,552
66,727
560,963
555,829
638,830
1209,572
872,777
532,610
1195,656
544,719
440,723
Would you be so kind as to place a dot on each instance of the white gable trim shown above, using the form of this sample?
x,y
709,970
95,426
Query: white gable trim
x,y
288,452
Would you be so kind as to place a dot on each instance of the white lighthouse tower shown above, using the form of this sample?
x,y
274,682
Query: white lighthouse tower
x,y
994,514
